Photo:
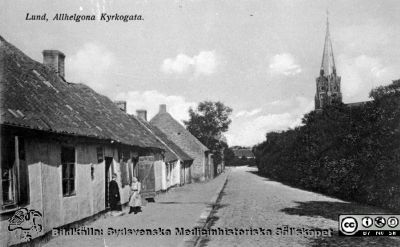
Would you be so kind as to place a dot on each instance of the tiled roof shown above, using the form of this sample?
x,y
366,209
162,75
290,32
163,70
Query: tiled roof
x,y
243,152
35,97
173,152
357,104
176,132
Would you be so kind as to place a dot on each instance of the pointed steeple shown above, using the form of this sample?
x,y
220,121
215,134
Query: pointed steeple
x,y
328,61
328,82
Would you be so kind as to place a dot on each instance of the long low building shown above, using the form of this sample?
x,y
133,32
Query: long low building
x,y
60,144
203,165
177,162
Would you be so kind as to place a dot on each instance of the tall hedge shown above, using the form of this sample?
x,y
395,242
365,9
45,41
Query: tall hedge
x,y
348,152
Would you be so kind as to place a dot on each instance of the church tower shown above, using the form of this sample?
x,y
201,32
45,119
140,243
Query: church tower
x,y
328,82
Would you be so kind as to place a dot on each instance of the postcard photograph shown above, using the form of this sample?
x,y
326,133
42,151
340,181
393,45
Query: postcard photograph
x,y
199,123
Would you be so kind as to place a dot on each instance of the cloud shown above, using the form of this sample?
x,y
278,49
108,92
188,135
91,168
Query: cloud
x,y
365,62
100,6
204,63
93,65
177,105
248,113
284,64
362,73
367,37
252,130
178,65
293,105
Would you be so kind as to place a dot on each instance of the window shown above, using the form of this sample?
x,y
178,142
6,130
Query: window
x,y
322,99
92,172
100,154
21,148
23,173
130,171
8,171
14,173
167,170
126,155
123,158
68,170
119,155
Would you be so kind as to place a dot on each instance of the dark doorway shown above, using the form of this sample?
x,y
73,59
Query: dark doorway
x,y
108,162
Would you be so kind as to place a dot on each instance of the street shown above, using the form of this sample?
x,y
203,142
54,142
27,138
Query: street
x,y
250,200
179,207
247,201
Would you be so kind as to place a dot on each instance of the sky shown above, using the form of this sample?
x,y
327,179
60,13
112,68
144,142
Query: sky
x,y
260,57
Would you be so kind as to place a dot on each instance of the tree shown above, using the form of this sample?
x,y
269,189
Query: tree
x,y
349,152
229,157
207,123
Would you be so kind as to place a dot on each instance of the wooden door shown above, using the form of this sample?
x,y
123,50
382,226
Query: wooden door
x,y
107,179
146,176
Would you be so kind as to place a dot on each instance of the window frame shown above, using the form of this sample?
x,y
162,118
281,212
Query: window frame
x,y
15,165
100,154
68,174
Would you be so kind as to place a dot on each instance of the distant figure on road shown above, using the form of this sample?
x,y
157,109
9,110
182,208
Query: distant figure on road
x,y
115,198
135,201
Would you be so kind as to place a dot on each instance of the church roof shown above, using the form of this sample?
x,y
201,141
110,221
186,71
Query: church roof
x,y
328,61
357,104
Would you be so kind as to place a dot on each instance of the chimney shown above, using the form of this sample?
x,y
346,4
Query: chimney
x,y
163,108
55,60
142,114
121,105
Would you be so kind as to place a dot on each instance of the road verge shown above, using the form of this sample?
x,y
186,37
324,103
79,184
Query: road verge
x,y
206,215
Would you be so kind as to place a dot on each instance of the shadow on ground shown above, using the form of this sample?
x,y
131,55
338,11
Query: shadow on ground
x,y
181,202
341,207
212,220
336,240
204,240
330,209
256,172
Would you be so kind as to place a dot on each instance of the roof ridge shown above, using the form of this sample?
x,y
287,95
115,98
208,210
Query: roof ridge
x,y
48,103
158,138
175,146
180,126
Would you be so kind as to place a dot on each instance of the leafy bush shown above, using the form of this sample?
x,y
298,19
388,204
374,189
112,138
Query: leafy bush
x,y
348,152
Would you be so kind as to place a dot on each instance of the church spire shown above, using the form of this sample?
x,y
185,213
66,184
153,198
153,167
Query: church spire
x,y
328,82
328,61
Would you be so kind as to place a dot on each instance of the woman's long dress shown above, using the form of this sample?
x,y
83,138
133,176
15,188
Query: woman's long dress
x,y
135,200
115,199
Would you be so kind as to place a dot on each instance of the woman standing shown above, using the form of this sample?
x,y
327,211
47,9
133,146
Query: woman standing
x,y
114,196
135,201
